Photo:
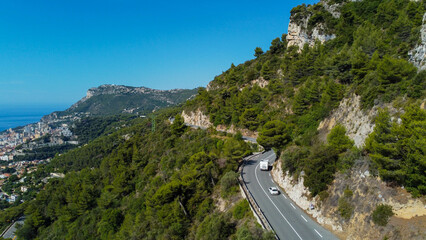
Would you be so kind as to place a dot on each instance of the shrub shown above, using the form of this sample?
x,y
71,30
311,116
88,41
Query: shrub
x,y
241,209
228,183
323,195
345,208
381,214
215,226
338,140
348,193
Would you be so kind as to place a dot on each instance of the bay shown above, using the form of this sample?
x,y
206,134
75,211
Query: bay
x,y
7,122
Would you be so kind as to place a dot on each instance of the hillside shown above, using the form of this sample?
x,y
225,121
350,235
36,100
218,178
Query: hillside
x,y
340,98
117,99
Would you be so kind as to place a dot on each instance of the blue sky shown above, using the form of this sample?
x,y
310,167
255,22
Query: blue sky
x,y
51,52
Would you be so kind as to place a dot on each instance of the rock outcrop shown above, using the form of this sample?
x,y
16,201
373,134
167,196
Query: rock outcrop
x,y
299,31
368,192
418,55
199,119
196,118
359,123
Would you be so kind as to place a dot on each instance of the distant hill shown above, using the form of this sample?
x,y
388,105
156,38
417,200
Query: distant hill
x,y
339,98
118,99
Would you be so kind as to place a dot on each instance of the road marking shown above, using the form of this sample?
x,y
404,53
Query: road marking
x,y
272,180
292,205
255,170
284,196
269,174
304,218
317,232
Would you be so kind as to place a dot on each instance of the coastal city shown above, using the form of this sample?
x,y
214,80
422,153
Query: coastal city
x,y
23,150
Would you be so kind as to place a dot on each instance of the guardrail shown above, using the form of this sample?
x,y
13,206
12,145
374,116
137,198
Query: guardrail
x,y
253,204
7,229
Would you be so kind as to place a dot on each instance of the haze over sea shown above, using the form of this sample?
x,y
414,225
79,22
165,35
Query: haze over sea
x,y
16,116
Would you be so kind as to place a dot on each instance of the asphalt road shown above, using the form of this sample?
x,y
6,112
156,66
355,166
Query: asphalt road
x,y
10,233
285,217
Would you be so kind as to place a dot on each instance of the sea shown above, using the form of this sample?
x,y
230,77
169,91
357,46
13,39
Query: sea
x,y
18,116
7,122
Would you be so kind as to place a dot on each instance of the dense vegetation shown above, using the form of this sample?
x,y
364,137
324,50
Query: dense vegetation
x,y
153,179
398,149
43,152
368,58
113,102
142,185
90,128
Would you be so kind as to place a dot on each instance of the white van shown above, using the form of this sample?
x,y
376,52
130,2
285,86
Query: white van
x,y
264,165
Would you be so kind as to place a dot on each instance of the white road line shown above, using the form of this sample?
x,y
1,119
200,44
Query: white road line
x,y
272,180
255,173
304,218
292,205
317,232
284,196
269,174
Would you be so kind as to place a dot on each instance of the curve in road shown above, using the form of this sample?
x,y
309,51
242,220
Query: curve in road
x,y
284,216
287,220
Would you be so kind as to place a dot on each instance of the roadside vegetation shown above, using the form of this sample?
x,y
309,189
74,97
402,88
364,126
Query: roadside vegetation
x,y
368,57
153,179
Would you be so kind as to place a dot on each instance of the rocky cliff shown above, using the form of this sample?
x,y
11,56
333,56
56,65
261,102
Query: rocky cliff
x,y
418,55
359,123
307,24
368,191
199,119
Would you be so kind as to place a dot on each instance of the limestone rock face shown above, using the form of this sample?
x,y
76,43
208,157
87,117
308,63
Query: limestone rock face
x,y
417,56
299,36
368,192
196,118
298,33
358,123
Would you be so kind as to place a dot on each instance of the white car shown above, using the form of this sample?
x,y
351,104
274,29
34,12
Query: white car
x,y
273,191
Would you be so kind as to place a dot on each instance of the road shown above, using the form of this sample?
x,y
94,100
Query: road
x,y
10,233
285,217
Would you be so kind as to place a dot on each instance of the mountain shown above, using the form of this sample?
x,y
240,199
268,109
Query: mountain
x,y
342,98
118,99
338,98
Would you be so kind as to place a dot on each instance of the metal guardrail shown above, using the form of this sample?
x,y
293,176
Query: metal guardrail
x,y
7,229
264,221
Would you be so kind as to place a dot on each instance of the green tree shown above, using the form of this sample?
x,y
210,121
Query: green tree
x,y
266,71
178,126
228,183
276,45
320,168
381,214
214,227
392,70
274,134
338,140
258,52
398,149
249,119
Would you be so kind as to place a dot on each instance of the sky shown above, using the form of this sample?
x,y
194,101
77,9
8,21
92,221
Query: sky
x,y
51,52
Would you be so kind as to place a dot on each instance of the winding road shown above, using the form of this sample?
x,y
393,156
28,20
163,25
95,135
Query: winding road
x,y
284,216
